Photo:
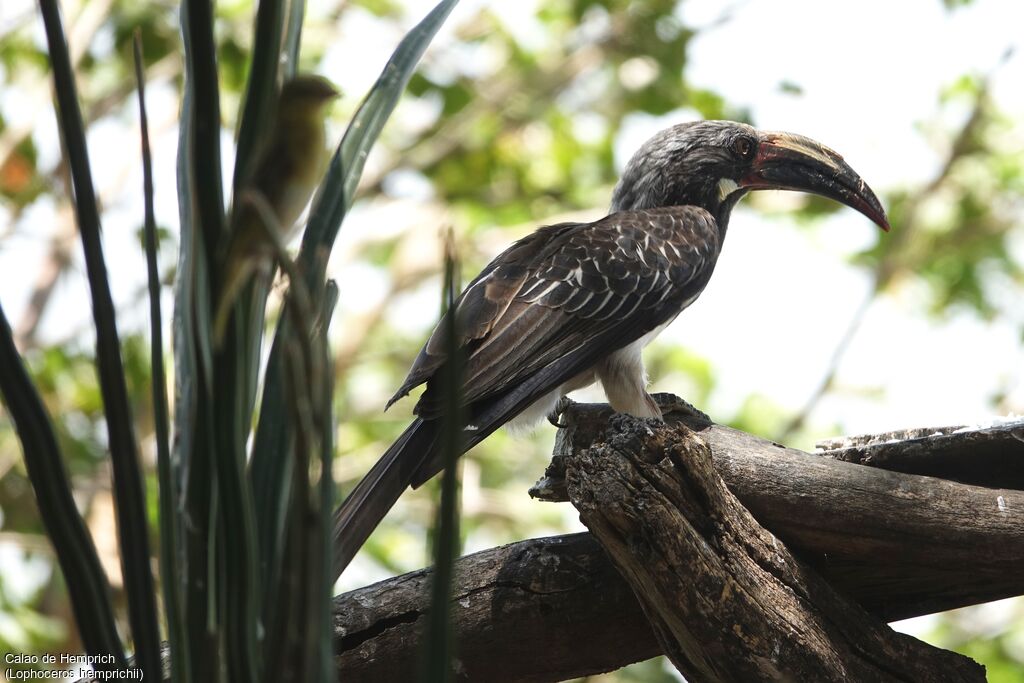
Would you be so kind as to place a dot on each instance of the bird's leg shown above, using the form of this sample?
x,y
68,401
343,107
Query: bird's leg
x,y
556,412
625,384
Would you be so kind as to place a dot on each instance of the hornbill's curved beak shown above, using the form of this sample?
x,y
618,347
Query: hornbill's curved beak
x,y
793,162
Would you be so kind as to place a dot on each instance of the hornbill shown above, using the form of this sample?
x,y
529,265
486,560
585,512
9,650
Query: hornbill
x,y
575,303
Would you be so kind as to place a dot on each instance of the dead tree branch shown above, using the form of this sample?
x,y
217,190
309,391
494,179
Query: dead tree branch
x,y
727,600
873,532
898,544
547,609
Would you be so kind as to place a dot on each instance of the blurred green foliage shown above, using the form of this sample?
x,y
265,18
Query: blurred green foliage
x,y
509,132
955,235
993,634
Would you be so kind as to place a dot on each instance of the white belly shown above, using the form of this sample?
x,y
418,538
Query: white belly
x,y
626,362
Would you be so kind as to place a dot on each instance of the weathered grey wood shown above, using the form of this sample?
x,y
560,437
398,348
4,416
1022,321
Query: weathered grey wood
x,y
546,609
874,533
986,455
562,597
726,599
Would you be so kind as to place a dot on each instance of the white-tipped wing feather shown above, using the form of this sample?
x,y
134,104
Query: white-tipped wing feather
x,y
571,286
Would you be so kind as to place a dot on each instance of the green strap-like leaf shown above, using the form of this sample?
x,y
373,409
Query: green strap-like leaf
x,y
439,646
237,547
262,87
238,362
201,214
129,493
271,469
301,615
336,192
293,37
321,608
204,129
83,574
168,486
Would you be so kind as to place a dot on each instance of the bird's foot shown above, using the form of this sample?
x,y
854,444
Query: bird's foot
x,y
669,403
554,417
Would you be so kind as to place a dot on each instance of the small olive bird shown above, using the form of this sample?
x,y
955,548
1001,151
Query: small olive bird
x,y
575,303
287,170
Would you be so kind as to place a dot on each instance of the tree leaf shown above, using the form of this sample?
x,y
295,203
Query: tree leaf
x,y
129,492
271,469
177,640
83,574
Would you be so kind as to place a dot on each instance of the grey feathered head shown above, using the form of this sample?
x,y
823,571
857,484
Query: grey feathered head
x,y
712,164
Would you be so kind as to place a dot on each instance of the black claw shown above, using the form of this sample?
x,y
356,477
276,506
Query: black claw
x,y
556,412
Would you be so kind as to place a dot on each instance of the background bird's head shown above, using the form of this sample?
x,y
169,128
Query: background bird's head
x,y
306,94
712,164
299,123
294,155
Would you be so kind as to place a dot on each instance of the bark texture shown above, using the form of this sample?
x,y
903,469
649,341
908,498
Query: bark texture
x,y
546,609
726,599
899,544
903,544
987,455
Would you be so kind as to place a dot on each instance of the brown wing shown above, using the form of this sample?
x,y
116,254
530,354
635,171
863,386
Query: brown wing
x,y
485,300
573,288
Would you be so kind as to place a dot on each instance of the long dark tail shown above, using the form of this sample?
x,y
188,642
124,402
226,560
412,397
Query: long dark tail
x,y
377,493
415,457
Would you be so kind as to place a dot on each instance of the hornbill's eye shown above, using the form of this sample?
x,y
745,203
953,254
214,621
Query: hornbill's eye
x,y
743,146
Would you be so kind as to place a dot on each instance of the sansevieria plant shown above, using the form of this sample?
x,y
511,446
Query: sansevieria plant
x,y
244,555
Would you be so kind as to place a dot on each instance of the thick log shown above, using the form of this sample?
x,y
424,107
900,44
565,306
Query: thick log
x,y
874,533
581,615
548,609
727,600
986,455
